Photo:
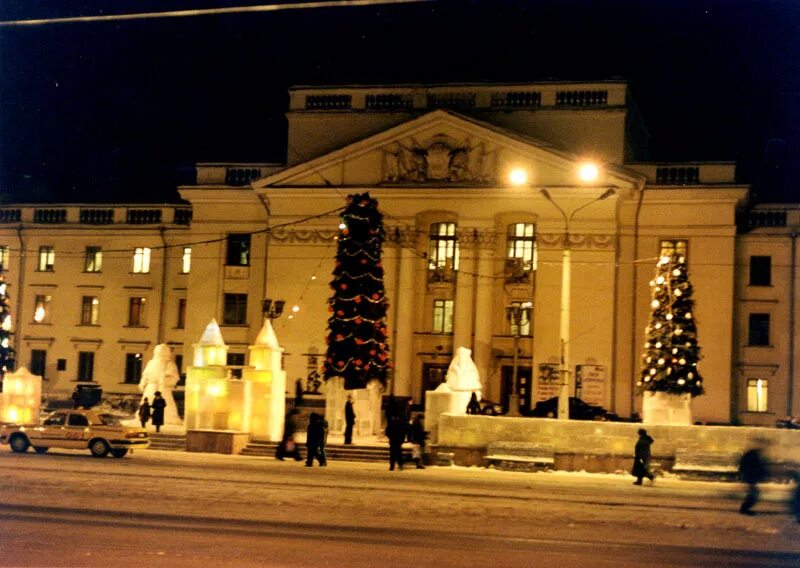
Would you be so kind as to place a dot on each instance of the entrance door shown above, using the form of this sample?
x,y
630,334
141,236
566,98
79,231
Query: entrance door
x,y
524,376
433,374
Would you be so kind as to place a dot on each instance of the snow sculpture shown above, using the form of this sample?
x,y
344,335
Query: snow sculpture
x,y
267,382
161,374
462,374
452,396
21,397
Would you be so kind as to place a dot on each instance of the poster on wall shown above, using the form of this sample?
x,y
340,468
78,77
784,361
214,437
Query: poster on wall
x,y
547,382
591,380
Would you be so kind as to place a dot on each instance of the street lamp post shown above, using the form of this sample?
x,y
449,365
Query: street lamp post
x,y
565,312
518,315
270,309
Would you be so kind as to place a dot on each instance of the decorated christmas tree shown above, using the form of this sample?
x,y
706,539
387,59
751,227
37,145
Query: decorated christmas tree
x,y
671,353
6,351
357,347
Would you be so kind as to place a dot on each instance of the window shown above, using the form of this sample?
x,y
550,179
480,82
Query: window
x,y
4,258
235,360
94,259
186,260
181,323
238,249
38,362
235,309
42,309
521,252
760,271
136,309
179,363
47,259
85,366
757,395
90,310
133,368
675,246
56,419
758,330
443,248
77,420
443,316
141,260
523,325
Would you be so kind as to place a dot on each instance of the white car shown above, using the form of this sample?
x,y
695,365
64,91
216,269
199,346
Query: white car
x,y
76,429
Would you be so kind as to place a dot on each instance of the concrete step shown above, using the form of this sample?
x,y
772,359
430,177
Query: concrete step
x,y
339,452
173,442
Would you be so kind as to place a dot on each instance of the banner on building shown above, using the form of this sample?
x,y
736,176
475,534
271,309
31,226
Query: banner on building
x,y
547,382
590,383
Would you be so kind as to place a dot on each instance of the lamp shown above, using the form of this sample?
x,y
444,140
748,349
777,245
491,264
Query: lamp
x,y
272,309
518,315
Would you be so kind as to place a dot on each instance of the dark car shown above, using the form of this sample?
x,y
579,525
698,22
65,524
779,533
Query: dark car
x,y
578,410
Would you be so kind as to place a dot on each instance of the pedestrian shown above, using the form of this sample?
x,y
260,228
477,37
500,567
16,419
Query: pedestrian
x,y
287,446
417,436
315,440
298,392
396,431
76,397
349,420
752,470
157,411
144,412
474,407
641,458
794,503
393,409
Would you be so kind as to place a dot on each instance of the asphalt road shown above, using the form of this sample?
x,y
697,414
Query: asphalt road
x,y
171,509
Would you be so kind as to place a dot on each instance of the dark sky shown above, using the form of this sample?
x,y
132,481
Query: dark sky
x,y
121,111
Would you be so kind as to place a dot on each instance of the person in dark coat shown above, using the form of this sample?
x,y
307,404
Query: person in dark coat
x,y
396,431
157,409
752,470
144,412
417,436
315,440
349,420
641,458
794,504
393,409
474,407
287,446
298,392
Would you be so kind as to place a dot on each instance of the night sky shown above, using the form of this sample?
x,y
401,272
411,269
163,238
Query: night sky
x,y
120,111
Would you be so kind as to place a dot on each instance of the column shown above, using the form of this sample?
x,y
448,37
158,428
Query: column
x,y
482,346
405,310
464,303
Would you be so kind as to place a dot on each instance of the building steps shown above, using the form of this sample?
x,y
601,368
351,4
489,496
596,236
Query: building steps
x,y
334,452
161,441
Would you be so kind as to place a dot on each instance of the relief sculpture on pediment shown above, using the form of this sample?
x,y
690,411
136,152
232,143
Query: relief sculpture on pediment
x,y
441,159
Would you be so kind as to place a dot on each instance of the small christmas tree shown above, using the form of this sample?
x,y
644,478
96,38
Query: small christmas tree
x,y
357,347
6,351
671,353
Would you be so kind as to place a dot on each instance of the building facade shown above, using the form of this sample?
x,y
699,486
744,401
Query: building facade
x,y
463,244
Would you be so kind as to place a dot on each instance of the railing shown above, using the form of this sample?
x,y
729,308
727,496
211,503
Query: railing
x,y
521,99
581,98
451,100
241,176
765,218
328,102
182,217
143,216
50,216
388,102
10,215
96,216
678,175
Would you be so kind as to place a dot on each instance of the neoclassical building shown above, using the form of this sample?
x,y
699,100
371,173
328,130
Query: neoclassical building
x,y
488,192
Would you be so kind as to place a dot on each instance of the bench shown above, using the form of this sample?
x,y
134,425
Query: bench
x,y
520,456
704,465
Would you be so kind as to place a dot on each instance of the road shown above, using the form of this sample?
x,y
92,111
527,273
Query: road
x,y
173,509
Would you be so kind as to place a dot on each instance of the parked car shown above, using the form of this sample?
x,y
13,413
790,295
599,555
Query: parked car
x,y
76,429
578,410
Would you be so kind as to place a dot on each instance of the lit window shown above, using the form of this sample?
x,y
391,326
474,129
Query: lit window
x,y
678,247
443,316
41,308
238,249
90,310
443,247
141,260
186,260
757,395
94,259
760,271
136,309
758,330
4,258
47,259
524,322
133,368
521,250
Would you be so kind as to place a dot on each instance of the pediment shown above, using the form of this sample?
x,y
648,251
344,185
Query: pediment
x,y
440,148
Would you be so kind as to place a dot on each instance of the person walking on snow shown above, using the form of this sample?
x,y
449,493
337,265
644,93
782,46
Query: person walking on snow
x,y
288,447
641,458
315,440
752,471
417,436
144,412
158,406
396,431
349,420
